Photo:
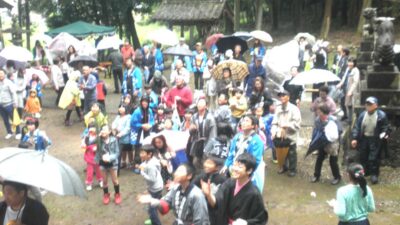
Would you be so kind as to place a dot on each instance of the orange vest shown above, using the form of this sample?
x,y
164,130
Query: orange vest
x,y
100,91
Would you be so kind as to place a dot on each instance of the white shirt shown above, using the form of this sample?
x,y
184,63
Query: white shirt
x,y
57,77
12,215
331,131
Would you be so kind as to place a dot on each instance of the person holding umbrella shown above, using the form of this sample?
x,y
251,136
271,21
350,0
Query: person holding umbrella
x,y
18,208
295,91
285,125
199,63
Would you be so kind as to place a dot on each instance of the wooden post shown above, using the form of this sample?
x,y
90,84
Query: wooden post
x,y
191,34
259,14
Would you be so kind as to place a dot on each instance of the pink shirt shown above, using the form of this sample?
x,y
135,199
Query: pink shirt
x,y
239,187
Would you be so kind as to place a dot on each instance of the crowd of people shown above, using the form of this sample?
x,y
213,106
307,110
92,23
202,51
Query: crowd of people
x,y
218,177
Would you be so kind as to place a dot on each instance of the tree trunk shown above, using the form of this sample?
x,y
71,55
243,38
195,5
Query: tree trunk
x,y
19,13
326,23
237,15
106,17
366,4
131,28
28,24
275,14
259,14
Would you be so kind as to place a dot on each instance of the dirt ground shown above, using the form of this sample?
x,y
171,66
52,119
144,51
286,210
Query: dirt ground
x,y
287,199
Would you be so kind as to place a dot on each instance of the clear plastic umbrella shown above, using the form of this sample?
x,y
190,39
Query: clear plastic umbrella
x,y
61,43
314,76
109,42
42,75
39,169
164,37
16,53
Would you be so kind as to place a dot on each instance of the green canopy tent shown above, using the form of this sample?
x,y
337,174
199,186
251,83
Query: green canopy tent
x,y
82,29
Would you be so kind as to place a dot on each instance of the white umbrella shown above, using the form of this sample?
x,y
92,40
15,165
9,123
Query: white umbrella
x,y
164,37
314,76
39,169
109,42
16,53
62,41
309,38
87,49
44,38
42,75
176,140
261,35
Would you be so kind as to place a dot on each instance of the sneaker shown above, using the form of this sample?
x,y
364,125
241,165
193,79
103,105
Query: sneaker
x,y
274,161
117,198
101,184
335,181
292,174
18,137
8,136
88,187
147,222
106,199
314,179
137,171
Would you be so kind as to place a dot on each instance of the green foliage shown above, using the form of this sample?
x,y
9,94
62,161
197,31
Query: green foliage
x,y
108,12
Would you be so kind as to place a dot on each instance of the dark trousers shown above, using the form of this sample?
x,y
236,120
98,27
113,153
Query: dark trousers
x,y
291,159
369,155
198,80
343,107
65,77
363,222
333,162
6,113
117,74
59,93
153,211
78,112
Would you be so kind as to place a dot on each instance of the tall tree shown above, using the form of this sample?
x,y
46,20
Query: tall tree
x,y
237,15
326,23
28,24
259,14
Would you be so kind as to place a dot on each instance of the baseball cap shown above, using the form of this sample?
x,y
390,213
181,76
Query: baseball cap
x,y
371,100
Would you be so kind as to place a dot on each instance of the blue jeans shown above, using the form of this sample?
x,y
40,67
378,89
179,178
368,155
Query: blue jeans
x,y
7,114
153,210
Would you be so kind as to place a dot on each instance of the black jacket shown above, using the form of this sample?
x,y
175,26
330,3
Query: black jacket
x,y
34,213
381,126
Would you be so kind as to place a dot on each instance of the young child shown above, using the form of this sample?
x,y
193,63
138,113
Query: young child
x,y
95,115
126,101
159,119
32,105
211,167
238,105
35,137
89,143
107,157
35,84
150,169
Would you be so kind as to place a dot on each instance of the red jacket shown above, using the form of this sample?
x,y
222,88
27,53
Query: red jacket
x,y
101,91
186,98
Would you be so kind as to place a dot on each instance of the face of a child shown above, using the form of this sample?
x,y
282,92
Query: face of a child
x,y
95,109
258,112
127,100
144,156
160,112
168,124
188,116
33,94
210,166
105,132
144,104
31,127
92,131
238,94
239,170
222,100
122,110
158,143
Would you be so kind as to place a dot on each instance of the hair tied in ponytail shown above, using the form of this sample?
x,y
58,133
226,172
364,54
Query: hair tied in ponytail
x,y
359,173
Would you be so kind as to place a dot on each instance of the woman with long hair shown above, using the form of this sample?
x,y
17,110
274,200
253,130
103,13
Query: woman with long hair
x,y
354,201
164,155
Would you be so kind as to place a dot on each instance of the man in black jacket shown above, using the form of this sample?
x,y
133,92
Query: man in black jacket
x,y
18,207
371,128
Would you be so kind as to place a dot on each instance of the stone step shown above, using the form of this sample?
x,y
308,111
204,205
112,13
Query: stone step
x,y
386,80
